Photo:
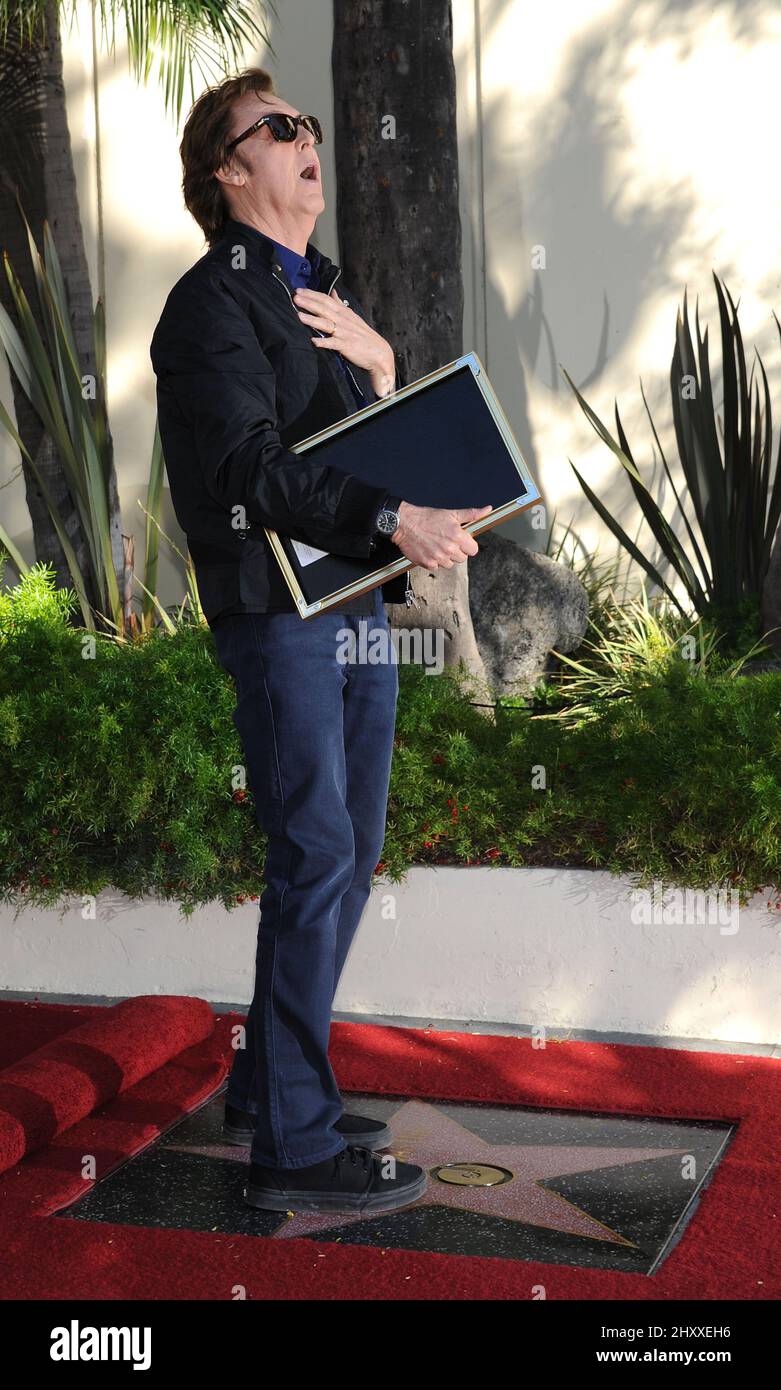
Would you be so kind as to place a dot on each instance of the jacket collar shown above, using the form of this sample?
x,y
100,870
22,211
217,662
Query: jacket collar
x,y
262,249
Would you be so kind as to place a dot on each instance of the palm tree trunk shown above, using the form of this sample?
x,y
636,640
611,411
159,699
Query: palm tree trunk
x,y
48,191
399,223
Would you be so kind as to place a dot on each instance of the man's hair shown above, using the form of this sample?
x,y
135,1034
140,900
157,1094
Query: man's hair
x,y
205,138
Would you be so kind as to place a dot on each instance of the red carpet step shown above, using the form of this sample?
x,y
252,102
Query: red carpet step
x,y
51,1089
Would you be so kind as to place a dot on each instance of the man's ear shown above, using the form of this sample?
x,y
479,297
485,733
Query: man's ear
x,y
227,173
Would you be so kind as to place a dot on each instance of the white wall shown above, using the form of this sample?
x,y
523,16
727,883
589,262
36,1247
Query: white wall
x,y
557,949
633,142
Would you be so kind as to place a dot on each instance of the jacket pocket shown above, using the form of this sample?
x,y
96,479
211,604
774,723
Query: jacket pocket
x,y
218,587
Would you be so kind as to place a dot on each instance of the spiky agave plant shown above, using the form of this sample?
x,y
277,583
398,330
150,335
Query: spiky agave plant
x,y
733,481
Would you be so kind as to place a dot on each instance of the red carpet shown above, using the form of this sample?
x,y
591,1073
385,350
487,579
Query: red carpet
x,y
48,1091
731,1249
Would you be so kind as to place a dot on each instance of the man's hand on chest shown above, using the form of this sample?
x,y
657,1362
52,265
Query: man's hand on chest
x,y
348,334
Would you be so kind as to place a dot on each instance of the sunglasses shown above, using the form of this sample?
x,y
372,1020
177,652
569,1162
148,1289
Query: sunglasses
x,y
282,127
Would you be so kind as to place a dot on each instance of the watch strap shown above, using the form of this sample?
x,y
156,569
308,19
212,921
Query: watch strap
x,y
390,503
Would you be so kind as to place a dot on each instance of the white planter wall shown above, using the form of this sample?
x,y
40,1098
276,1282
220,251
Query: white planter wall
x,y
559,949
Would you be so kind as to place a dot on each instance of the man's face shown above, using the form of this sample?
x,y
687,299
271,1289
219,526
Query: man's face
x,y
270,171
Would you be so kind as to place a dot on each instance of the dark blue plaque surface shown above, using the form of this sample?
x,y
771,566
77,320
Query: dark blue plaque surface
x,y
441,442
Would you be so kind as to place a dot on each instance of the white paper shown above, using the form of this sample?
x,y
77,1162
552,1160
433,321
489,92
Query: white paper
x,y
307,554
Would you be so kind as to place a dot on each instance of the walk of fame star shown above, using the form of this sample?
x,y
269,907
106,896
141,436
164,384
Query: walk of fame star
x,y
425,1135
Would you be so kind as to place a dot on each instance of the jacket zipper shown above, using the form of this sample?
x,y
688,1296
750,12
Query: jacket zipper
x,y
322,335
409,592
346,363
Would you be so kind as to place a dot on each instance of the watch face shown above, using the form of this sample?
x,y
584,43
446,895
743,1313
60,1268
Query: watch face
x,y
387,522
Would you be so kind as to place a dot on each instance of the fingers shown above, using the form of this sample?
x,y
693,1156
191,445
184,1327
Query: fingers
x,y
454,554
473,513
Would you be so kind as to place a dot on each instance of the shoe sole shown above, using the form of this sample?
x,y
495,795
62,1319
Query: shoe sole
x,y
381,1140
336,1201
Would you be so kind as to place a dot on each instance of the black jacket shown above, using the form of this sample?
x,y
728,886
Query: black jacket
x,y
238,383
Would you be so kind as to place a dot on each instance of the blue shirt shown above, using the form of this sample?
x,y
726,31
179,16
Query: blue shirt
x,y
302,274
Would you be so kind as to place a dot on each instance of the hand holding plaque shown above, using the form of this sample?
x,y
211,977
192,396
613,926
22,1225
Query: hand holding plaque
x,y
434,536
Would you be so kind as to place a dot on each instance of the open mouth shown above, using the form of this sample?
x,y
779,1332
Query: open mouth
x,y
310,172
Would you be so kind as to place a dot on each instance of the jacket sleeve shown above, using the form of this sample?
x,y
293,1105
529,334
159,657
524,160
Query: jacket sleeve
x,y
206,354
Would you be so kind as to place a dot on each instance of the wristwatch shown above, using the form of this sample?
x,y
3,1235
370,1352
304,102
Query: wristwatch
x,y
387,519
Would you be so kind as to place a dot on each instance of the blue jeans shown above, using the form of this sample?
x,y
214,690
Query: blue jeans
x,y
317,736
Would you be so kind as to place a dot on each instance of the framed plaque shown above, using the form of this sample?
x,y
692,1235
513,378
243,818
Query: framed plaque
x,y
442,441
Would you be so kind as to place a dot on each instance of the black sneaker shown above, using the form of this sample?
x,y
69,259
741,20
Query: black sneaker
x,y
354,1180
365,1133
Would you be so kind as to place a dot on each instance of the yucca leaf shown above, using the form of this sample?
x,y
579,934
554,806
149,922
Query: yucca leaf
x,y
681,509
27,355
603,433
51,378
64,538
154,494
621,535
151,600
663,533
701,470
660,528
773,492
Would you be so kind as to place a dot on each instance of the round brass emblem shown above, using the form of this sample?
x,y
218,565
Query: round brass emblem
x,y
471,1174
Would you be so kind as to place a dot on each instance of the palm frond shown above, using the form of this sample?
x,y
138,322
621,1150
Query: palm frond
x,y
191,43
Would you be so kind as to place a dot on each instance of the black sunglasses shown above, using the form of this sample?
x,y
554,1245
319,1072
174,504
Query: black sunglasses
x,y
282,127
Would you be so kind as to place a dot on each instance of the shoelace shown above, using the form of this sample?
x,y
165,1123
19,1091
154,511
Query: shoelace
x,y
365,1156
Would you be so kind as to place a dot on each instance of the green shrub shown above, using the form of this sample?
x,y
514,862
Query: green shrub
x,y
117,771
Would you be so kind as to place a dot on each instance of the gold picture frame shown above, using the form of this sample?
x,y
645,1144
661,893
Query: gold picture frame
x,y
359,575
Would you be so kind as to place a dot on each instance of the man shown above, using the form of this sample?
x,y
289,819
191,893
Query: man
x,y
254,351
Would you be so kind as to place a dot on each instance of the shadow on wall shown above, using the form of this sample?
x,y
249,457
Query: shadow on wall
x,y
605,261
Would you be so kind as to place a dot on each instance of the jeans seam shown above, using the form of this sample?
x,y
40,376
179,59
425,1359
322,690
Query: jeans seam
x,y
274,1070
273,727
274,1092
